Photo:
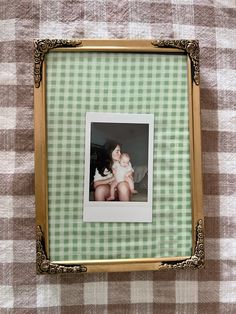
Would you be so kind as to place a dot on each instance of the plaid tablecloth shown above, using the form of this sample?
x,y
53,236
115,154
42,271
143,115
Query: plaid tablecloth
x,y
212,290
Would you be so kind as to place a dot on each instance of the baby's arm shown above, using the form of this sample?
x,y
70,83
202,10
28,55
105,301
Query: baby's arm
x,y
130,171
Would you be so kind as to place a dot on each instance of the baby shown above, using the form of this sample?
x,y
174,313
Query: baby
x,y
122,171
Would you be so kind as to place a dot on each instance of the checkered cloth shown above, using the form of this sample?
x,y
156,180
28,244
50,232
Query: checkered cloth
x,y
212,290
125,83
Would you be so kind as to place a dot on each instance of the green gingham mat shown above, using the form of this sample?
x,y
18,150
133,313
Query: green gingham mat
x,y
127,83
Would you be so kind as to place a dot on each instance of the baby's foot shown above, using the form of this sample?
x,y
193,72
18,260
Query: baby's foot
x,y
134,192
110,198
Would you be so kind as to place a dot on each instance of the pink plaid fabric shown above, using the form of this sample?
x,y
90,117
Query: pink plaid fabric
x,y
212,290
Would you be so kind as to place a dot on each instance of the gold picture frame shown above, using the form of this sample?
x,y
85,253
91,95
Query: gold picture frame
x,y
188,48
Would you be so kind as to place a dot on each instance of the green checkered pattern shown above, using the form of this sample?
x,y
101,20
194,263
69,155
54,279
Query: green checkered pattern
x,y
127,83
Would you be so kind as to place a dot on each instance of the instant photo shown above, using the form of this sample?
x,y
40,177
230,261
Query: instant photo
x,y
118,167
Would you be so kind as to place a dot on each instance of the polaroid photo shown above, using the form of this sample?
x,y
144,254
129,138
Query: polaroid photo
x,y
118,167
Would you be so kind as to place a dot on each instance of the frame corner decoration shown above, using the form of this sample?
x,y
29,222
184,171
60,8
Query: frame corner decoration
x,y
191,47
44,266
42,47
196,261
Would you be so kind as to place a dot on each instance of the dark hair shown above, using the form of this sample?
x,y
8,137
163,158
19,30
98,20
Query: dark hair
x,y
104,157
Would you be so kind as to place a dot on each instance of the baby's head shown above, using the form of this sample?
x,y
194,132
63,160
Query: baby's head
x,y
124,160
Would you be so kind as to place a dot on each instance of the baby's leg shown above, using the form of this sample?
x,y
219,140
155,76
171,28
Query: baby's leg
x,y
112,191
131,185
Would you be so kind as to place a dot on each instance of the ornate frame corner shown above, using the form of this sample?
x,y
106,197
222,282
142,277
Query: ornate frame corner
x,y
44,266
191,47
196,261
42,47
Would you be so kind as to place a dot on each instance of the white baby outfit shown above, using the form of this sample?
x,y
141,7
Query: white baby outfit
x,y
121,172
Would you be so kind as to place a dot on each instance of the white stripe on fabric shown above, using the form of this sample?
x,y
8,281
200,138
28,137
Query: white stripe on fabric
x,y
218,120
48,295
6,249
186,291
8,30
95,292
7,162
8,74
6,297
228,249
7,116
6,206
219,205
141,291
225,38
219,163
226,79
227,291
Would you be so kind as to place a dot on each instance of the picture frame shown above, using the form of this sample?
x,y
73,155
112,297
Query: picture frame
x,y
113,83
